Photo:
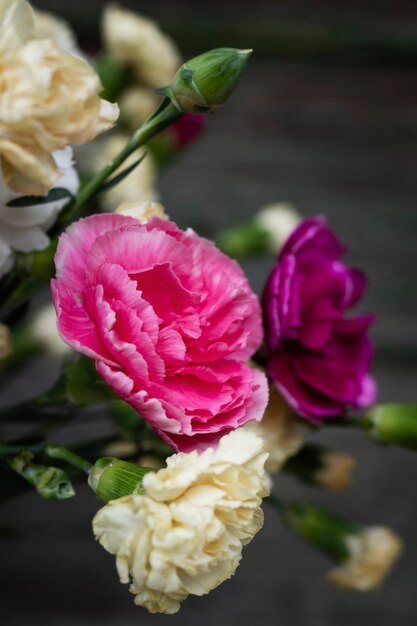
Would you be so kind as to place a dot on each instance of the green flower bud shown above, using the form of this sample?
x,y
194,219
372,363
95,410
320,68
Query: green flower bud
x,y
327,532
205,82
393,424
244,240
111,478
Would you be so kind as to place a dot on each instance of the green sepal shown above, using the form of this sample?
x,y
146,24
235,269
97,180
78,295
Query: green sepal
x,y
327,532
51,483
111,478
393,424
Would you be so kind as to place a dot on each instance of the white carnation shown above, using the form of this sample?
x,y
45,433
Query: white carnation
x,y
185,535
23,229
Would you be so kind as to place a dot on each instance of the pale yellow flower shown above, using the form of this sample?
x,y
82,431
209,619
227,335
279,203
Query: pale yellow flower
x,y
137,41
6,345
48,99
281,431
138,187
185,535
143,211
336,471
372,554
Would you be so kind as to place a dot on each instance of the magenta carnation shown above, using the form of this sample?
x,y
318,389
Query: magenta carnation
x,y
170,321
318,359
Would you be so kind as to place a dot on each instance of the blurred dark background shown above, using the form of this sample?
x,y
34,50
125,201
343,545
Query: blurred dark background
x,y
326,118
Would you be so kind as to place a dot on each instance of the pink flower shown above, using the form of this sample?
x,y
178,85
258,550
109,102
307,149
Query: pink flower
x,y
318,358
170,321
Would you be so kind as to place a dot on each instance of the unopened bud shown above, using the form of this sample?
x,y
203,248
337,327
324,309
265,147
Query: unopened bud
x,y
393,424
111,478
205,82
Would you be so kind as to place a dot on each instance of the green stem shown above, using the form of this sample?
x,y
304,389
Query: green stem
x,y
164,116
56,451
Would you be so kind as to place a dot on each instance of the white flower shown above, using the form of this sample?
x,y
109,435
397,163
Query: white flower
x,y
23,229
372,554
48,99
6,345
281,431
143,211
278,220
138,187
185,535
134,40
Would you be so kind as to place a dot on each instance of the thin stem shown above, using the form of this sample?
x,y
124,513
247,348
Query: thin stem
x,y
56,451
164,116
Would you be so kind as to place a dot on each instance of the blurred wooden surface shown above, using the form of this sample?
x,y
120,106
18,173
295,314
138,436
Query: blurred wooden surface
x,y
332,140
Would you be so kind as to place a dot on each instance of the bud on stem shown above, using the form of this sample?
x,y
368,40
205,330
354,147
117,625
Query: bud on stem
x,y
327,532
205,82
393,424
111,479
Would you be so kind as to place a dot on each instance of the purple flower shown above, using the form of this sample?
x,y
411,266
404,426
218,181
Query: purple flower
x,y
318,359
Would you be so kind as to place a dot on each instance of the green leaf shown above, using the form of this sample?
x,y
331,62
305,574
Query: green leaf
x,y
58,193
118,179
51,483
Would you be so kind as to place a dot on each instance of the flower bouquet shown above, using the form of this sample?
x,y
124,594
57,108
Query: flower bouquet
x,y
211,390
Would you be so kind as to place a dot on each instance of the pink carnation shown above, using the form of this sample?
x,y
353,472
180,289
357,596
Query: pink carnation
x,y
170,321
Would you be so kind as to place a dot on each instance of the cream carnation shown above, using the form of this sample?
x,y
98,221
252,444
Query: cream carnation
x,y
143,211
280,430
185,535
137,41
372,554
48,100
23,229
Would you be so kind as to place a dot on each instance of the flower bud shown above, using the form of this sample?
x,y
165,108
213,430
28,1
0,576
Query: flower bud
x,y
111,478
316,465
279,221
265,233
205,82
393,424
